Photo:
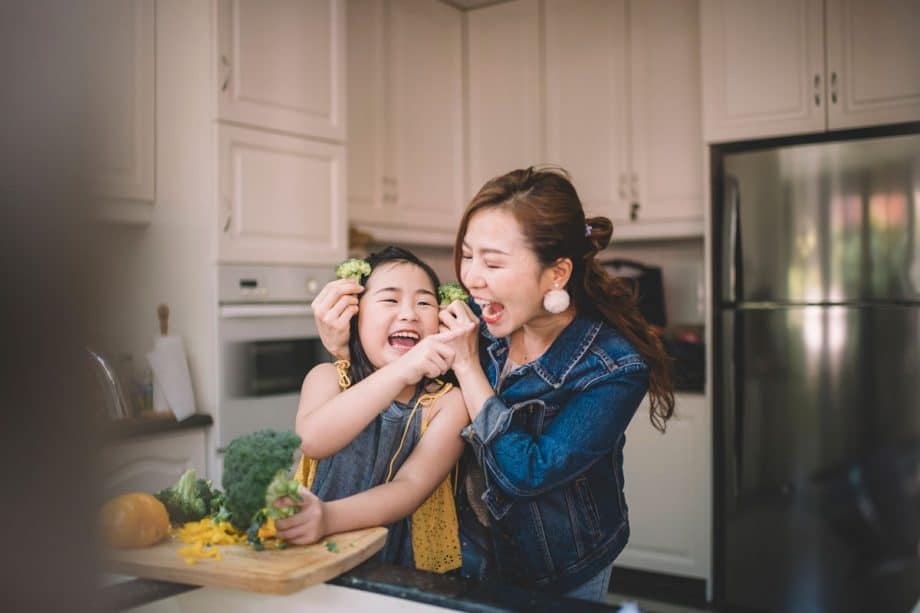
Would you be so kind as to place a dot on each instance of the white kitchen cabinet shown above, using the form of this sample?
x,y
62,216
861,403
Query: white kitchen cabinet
x,y
406,119
873,64
763,68
666,180
668,487
587,100
281,198
606,89
504,90
281,65
151,463
122,123
801,66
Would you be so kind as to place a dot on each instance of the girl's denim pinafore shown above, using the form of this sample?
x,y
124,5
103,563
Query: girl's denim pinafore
x,y
364,463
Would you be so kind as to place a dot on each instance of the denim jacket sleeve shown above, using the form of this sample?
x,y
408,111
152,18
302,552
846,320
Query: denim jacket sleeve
x,y
587,428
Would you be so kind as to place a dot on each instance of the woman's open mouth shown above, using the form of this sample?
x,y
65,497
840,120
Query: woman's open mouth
x,y
491,311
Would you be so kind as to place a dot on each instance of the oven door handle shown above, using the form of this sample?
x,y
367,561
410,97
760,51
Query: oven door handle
x,y
234,311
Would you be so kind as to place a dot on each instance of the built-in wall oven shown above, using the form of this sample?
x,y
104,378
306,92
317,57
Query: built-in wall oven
x,y
267,343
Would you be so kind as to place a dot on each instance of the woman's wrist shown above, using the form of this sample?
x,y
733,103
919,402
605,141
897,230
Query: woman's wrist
x,y
466,368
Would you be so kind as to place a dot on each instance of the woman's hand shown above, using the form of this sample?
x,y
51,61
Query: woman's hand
x,y
458,317
333,309
306,526
431,357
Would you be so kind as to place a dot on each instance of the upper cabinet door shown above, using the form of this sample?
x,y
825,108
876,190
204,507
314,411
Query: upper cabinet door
x,y
282,198
666,181
587,100
423,160
281,65
122,82
366,108
763,68
873,62
504,97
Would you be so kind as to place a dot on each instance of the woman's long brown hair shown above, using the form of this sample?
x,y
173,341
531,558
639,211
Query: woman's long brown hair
x,y
546,205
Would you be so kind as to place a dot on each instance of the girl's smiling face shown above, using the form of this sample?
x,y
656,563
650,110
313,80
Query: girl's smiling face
x,y
502,272
397,309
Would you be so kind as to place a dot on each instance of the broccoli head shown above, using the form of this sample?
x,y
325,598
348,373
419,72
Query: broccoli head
x,y
188,500
282,485
449,292
250,464
353,268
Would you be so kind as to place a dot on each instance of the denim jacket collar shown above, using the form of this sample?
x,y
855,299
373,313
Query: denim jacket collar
x,y
556,363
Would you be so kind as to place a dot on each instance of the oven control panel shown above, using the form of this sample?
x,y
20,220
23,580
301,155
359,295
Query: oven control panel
x,y
248,284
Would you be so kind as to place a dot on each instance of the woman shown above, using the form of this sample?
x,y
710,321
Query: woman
x,y
561,363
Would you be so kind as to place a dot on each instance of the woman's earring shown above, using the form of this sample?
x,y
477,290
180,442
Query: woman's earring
x,y
556,300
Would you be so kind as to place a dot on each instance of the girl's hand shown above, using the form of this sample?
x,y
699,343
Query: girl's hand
x,y
333,308
458,317
431,357
308,525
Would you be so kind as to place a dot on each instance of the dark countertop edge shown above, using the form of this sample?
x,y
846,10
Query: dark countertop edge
x,y
117,431
388,580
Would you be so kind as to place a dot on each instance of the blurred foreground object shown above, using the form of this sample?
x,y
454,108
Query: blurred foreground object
x,y
46,443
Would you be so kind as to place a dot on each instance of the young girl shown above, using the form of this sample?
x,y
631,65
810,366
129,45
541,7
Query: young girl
x,y
371,463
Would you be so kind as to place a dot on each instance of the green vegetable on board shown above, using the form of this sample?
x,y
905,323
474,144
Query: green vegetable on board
x,y
189,499
250,464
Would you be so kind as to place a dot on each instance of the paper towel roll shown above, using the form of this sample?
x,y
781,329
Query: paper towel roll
x,y
171,375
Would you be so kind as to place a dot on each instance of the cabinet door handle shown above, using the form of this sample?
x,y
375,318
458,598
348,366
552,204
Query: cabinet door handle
x,y
227,72
634,211
817,90
834,87
229,215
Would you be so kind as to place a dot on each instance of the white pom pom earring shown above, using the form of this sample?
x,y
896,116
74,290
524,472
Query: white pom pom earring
x,y
556,300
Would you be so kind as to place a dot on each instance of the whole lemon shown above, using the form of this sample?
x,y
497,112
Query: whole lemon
x,y
134,520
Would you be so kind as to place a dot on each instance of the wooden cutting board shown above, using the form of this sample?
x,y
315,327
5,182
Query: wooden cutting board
x,y
277,571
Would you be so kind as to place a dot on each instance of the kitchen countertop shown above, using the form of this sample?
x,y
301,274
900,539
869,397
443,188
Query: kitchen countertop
x,y
114,431
388,580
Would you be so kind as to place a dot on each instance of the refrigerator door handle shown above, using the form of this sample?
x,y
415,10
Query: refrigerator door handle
x,y
736,370
731,404
732,242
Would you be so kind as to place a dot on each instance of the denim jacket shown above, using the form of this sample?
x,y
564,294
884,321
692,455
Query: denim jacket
x,y
551,448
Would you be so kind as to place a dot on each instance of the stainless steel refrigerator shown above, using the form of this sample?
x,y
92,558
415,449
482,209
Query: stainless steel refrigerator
x,y
817,375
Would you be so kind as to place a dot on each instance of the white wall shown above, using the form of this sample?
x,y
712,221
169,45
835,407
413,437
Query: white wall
x,y
173,259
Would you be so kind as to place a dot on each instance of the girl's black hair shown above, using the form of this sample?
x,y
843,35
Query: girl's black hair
x,y
361,366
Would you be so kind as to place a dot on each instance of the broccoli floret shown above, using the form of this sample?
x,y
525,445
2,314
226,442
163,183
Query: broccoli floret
x,y
250,463
188,500
281,486
217,510
353,268
449,292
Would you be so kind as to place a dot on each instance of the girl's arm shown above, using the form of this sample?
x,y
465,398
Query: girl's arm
x,y
327,421
328,418
429,463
